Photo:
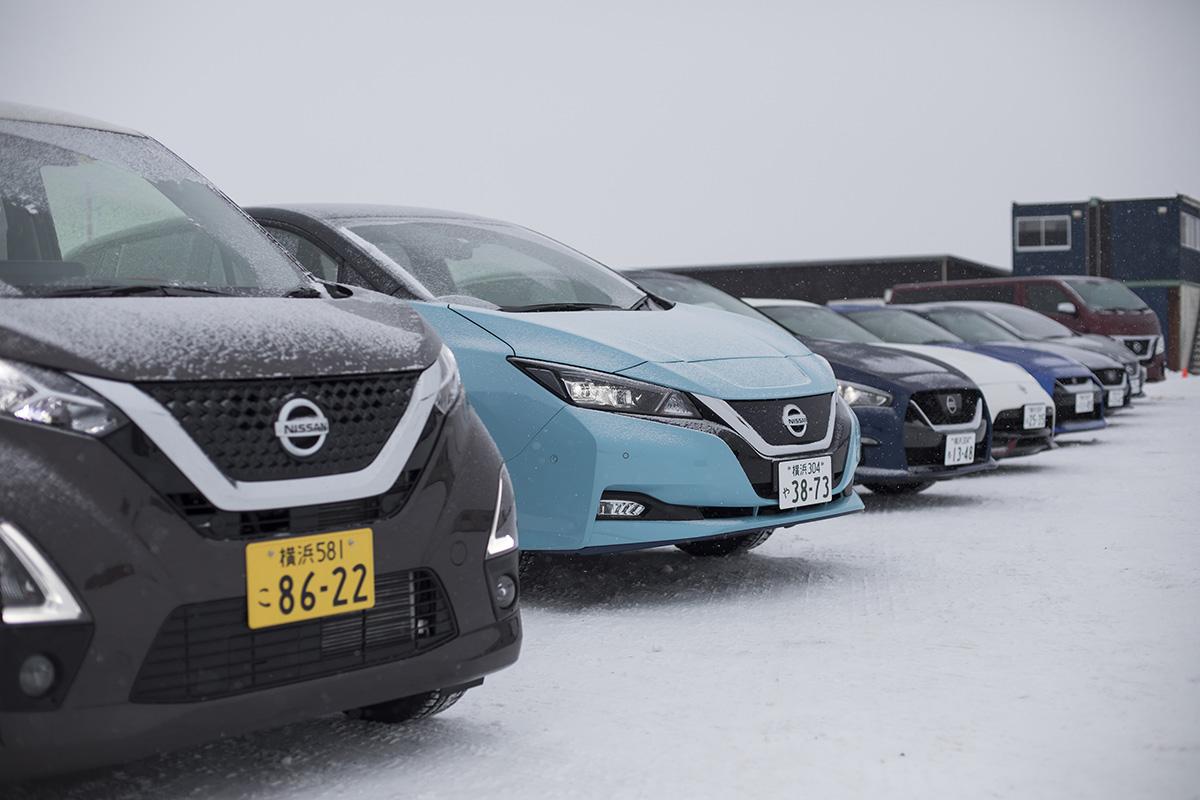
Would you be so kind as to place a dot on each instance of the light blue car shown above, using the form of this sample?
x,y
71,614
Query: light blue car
x,y
626,421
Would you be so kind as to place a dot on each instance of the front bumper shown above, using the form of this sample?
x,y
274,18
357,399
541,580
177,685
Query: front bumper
x,y
580,454
901,446
132,560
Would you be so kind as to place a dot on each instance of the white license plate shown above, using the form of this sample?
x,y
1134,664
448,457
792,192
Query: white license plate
x,y
805,482
1135,385
960,449
1116,398
1035,416
1084,403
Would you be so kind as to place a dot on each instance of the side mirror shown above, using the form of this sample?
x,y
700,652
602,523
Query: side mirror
x,y
1067,308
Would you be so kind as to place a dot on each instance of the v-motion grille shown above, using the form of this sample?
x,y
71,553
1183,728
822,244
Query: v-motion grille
x,y
205,651
233,422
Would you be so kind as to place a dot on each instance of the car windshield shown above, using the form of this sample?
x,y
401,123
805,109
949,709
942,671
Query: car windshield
x,y
1029,323
902,327
1106,295
98,212
698,293
971,326
507,266
815,322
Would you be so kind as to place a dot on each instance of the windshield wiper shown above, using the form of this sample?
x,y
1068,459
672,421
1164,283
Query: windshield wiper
x,y
562,307
128,290
305,292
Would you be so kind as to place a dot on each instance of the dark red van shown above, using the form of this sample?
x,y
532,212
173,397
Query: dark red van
x,y
1081,302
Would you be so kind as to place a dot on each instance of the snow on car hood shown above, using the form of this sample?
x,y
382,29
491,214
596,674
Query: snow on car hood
x,y
215,338
692,348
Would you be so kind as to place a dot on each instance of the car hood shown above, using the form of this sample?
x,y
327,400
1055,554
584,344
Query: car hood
x,y
1098,343
886,367
215,338
700,350
1030,356
982,369
1088,357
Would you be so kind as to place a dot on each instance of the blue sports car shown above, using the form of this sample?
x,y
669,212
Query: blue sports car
x,y
626,421
921,421
1078,397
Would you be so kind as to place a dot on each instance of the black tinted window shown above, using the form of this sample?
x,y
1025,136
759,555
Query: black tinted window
x,y
1044,297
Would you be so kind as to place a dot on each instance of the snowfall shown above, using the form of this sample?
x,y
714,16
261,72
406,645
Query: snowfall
x,y
1029,633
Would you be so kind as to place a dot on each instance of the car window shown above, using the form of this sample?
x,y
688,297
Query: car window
x,y
1030,323
1107,295
815,322
971,326
511,267
87,209
902,327
308,253
1045,297
698,293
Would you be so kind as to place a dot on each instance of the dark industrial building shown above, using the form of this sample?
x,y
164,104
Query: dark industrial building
x,y
1151,244
839,279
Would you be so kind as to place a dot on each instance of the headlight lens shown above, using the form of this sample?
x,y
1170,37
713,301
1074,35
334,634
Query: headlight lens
x,y
855,394
1160,346
605,392
40,395
450,388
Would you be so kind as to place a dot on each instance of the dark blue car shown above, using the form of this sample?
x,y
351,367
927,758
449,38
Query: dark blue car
x,y
921,421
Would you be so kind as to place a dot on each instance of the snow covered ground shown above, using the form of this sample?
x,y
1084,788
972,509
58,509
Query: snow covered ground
x,y
1030,633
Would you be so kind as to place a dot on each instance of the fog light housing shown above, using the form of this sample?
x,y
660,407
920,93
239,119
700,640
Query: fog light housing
x,y
504,591
620,509
37,676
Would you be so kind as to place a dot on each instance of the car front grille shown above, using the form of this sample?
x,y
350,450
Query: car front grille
x,y
233,422
1114,376
766,418
1012,423
943,407
1142,346
206,651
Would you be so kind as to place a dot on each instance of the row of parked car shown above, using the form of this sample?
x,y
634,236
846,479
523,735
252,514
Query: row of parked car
x,y
260,472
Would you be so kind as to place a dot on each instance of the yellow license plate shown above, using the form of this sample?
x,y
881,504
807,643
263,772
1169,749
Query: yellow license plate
x,y
289,580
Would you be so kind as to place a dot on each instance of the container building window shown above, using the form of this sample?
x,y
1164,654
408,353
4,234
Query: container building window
x,y
1189,234
1043,233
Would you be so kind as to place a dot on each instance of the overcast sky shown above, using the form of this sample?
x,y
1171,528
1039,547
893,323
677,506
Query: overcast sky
x,y
649,133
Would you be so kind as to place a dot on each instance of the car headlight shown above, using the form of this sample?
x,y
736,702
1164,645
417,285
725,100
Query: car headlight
x,y
855,394
50,398
1160,346
503,536
605,392
450,388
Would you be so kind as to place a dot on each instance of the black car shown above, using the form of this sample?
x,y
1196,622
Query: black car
x,y
233,497
921,421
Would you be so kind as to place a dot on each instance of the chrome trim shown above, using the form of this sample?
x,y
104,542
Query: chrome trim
x,y
230,495
956,427
734,420
507,542
58,604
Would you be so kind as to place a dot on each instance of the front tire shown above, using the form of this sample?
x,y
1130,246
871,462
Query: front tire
x,y
408,709
898,488
726,546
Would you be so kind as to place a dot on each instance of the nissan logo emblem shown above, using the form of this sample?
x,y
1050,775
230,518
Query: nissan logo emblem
x,y
301,427
795,420
952,403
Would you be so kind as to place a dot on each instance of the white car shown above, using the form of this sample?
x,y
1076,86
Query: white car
x,y
1022,411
